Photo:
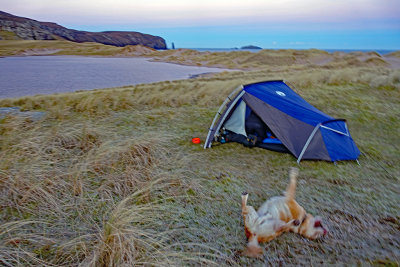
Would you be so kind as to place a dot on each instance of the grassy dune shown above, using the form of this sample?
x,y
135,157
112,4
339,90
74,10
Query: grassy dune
x,y
110,177
62,47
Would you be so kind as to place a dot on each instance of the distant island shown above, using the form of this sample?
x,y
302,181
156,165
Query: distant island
x,y
250,47
18,28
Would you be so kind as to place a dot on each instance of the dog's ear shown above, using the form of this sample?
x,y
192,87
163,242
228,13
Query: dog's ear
x,y
317,222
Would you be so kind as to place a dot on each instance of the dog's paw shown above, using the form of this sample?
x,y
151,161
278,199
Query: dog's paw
x,y
253,252
244,193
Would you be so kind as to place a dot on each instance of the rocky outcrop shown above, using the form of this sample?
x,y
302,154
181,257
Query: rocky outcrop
x,y
250,47
29,29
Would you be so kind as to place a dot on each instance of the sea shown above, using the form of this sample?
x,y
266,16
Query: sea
x,y
380,51
32,75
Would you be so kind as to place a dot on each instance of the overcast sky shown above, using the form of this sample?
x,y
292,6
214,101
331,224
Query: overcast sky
x,y
329,24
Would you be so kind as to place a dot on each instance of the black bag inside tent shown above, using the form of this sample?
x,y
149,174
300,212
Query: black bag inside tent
x,y
258,135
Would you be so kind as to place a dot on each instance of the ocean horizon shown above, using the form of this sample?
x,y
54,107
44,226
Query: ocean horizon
x,y
380,51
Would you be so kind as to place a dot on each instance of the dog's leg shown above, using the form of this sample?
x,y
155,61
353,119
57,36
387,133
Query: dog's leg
x,y
286,227
245,195
291,189
250,217
253,248
296,211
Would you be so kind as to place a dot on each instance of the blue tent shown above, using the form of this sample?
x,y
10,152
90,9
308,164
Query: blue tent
x,y
271,115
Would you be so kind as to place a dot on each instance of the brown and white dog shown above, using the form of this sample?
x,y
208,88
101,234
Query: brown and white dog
x,y
278,215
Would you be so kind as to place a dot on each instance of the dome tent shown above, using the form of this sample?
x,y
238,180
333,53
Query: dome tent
x,y
284,122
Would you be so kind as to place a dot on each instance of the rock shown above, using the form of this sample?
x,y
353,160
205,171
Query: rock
x,y
250,47
28,29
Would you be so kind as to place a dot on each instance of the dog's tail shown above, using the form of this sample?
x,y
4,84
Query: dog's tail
x,y
291,189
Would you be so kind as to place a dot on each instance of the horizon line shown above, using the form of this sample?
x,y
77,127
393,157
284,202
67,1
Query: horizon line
x,y
288,48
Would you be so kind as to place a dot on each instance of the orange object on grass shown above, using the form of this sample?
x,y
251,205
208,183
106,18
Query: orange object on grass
x,y
196,140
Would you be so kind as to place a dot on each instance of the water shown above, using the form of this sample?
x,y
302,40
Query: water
x,y
380,51
225,50
23,76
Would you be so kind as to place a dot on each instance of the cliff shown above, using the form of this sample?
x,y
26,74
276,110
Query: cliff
x,y
29,29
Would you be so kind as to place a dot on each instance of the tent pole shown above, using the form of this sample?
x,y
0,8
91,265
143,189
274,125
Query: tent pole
x,y
336,131
308,142
219,113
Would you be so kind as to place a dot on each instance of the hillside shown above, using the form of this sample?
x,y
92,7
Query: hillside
x,y
14,27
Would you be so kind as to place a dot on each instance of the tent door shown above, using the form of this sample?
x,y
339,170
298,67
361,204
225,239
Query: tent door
x,y
236,123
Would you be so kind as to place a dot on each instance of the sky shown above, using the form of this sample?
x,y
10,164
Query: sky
x,y
297,24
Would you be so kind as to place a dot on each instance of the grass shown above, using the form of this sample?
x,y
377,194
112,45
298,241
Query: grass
x,y
6,35
110,177
63,47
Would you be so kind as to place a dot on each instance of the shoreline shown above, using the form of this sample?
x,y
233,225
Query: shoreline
x,y
28,76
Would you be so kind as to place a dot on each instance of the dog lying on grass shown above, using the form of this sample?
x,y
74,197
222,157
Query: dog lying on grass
x,y
278,215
